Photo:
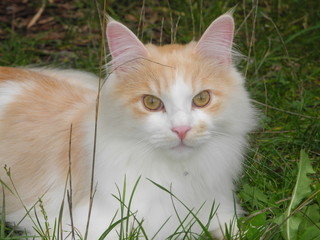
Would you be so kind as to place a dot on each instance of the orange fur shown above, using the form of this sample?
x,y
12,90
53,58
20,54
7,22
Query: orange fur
x,y
39,117
157,74
196,151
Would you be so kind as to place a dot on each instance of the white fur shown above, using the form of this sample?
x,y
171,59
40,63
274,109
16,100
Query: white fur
x,y
200,173
203,174
8,92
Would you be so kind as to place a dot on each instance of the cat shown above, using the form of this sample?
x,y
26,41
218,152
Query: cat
x,y
173,120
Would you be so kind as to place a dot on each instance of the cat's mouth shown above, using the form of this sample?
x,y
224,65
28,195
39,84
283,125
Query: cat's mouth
x,y
182,146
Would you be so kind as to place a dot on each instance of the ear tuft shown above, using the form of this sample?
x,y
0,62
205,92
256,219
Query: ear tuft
x,y
124,46
216,42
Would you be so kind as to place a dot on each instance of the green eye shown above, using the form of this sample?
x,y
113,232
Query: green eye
x,y
201,99
152,103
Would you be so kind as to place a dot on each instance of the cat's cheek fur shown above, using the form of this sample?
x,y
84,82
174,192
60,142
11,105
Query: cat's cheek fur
x,y
158,131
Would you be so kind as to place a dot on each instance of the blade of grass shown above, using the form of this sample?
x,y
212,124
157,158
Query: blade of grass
x,y
69,192
161,227
130,202
3,215
111,227
176,212
206,232
122,200
301,190
123,206
6,186
8,171
252,37
92,188
133,214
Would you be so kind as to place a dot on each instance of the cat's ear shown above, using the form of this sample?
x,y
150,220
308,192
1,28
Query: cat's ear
x,y
216,42
124,46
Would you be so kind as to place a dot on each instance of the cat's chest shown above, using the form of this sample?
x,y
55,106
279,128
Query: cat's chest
x,y
158,175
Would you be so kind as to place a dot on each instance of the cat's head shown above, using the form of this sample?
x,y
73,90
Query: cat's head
x,y
178,98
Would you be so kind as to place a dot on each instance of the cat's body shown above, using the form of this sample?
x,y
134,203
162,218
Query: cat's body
x,y
194,151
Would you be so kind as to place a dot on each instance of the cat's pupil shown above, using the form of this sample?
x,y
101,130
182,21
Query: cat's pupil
x,y
152,103
201,99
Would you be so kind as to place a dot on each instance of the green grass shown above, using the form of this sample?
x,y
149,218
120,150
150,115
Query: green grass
x,y
280,44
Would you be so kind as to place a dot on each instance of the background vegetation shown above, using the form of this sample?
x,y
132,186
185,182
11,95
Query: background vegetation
x,y
280,43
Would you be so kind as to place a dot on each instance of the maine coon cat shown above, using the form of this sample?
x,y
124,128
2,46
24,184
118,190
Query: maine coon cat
x,y
177,115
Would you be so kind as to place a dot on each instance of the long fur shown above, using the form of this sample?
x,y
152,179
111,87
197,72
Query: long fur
x,y
39,106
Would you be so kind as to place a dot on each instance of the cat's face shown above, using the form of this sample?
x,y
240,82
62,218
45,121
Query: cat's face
x,y
178,96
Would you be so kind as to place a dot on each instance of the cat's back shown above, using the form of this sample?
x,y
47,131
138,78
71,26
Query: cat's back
x,y
52,89
38,107
39,103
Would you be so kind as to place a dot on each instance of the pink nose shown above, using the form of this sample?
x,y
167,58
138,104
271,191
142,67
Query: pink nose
x,y
181,131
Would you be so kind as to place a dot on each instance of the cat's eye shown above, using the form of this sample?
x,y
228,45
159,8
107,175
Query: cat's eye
x,y
201,99
152,103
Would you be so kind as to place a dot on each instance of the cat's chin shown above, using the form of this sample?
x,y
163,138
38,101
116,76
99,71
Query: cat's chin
x,y
181,150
